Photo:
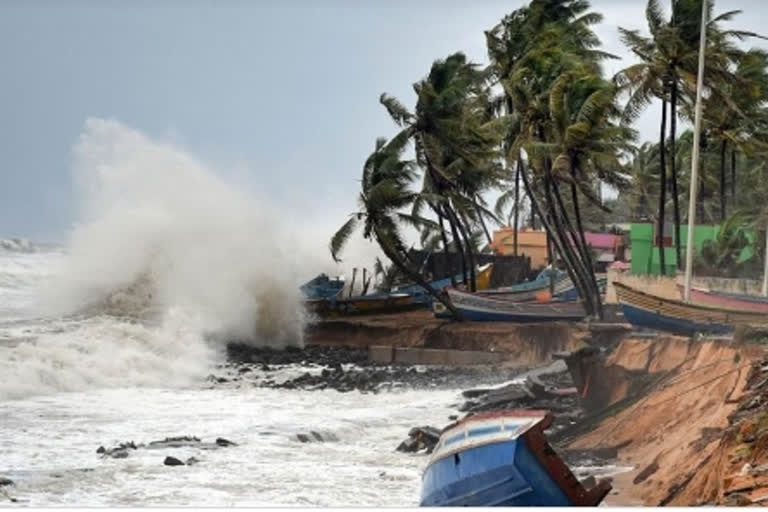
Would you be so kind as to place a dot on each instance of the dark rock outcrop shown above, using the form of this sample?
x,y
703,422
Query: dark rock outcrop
x,y
120,451
420,438
172,461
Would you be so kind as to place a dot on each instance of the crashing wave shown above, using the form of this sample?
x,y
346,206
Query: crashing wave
x,y
17,245
137,301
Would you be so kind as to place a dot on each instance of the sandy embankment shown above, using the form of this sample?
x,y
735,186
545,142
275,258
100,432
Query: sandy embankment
x,y
676,421
663,404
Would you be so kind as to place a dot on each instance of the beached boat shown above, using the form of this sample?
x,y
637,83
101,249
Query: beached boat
x,y
562,284
502,458
572,293
541,282
365,304
322,287
706,297
646,310
481,308
422,296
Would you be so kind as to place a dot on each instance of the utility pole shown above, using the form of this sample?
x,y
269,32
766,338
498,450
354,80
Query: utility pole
x,y
689,249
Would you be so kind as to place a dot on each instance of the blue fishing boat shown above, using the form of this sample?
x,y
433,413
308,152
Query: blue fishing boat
x,y
502,458
322,287
422,296
650,311
481,308
561,283
572,293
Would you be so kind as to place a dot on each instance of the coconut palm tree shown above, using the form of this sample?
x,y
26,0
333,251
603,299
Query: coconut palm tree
x,y
529,51
736,115
455,139
385,194
583,146
644,181
511,41
667,71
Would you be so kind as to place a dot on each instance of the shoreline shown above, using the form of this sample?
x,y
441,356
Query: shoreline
x,y
666,448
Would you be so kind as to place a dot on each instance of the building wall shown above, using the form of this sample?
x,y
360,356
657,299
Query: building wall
x,y
645,256
532,244
668,287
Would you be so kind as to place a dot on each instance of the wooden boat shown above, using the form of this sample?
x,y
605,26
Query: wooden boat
x,y
573,294
705,297
481,308
537,295
525,292
322,287
502,458
646,310
365,304
420,295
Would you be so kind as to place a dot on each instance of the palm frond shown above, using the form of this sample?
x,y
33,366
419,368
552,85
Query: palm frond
x,y
341,236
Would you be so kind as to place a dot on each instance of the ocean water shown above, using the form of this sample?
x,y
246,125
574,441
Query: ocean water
x,y
71,384
108,340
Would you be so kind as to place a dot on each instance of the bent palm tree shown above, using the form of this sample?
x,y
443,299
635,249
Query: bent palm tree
x,y
385,193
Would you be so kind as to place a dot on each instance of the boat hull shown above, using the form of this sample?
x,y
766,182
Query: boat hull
x,y
495,479
479,308
322,287
650,311
502,459
362,305
718,300
647,319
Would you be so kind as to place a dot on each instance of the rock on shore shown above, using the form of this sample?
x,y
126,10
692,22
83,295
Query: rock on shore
x,y
123,450
342,369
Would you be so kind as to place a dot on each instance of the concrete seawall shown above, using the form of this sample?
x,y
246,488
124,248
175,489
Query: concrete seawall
x,y
419,338
434,356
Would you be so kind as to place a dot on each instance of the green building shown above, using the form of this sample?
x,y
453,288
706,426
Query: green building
x,y
645,252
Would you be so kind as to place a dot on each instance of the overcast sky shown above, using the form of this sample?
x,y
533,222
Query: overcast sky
x,y
282,94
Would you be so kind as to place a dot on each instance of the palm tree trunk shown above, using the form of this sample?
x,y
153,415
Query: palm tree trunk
x,y
463,226
662,185
535,207
415,276
458,244
352,285
723,152
564,244
588,255
568,256
673,166
580,255
733,175
517,207
448,260
366,281
550,251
